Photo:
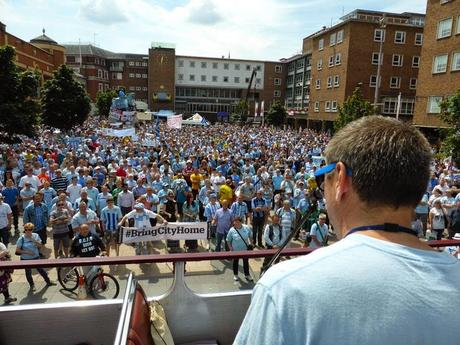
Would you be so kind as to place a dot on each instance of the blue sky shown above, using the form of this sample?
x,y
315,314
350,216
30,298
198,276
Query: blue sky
x,y
249,29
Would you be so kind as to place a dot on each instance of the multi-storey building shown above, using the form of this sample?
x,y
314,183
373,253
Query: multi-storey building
x,y
439,74
210,86
298,80
348,55
42,53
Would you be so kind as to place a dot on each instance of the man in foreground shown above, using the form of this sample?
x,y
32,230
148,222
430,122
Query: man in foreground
x,y
379,284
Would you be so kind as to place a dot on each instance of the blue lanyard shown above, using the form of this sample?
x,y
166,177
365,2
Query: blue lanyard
x,y
385,227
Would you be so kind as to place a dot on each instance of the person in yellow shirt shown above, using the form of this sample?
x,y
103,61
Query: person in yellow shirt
x,y
195,179
226,192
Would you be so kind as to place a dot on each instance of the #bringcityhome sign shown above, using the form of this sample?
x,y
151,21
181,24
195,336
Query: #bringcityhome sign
x,y
171,231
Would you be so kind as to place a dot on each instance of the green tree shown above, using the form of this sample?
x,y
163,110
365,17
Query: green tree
x,y
352,109
104,101
276,115
64,100
18,106
241,111
450,114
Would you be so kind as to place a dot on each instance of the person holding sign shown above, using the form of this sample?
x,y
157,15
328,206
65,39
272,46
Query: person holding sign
x,y
141,218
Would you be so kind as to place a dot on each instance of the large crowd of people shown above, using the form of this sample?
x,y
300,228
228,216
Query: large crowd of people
x,y
251,184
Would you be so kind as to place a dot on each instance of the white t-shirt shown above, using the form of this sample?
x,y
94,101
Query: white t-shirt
x,y
437,218
141,219
34,181
5,210
74,192
359,290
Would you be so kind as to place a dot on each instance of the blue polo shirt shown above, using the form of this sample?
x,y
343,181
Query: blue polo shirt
x,y
11,195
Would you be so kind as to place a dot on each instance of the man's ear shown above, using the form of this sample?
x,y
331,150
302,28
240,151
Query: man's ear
x,y
342,183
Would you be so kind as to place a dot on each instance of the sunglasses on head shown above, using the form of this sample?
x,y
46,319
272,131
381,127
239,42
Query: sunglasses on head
x,y
321,173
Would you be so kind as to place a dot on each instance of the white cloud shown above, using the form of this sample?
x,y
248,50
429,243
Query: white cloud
x,y
103,11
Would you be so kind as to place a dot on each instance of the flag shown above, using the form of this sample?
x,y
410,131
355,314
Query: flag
x,y
262,108
256,108
175,121
157,128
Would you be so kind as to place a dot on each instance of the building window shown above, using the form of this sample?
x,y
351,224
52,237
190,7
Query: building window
x,y
395,82
416,61
418,38
434,106
192,64
376,60
144,75
334,106
277,81
248,67
321,44
192,77
225,79
214,65
316,107
298,92
258,68
203,78
138,63
331,60
458,25
131,63
278,68
339,36
397,60
413,83
379,35
329,82
138,88
100,87
247,80
226,65
327,107
336,81
319,64
138,75
180,63
258,81
455,62
338,59
332,39
444,28
203,64
373,81
300,64
132,88
440,64
180,77
214,78
144,64
390,106
277,93
400,37
236,80
144,88
132,75
99,73
318,84
106,75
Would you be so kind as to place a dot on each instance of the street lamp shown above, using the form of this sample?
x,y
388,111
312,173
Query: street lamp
x,y
382,24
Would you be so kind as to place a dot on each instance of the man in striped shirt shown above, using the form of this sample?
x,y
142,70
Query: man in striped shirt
x,y
209,212
240,209
59,182
110,217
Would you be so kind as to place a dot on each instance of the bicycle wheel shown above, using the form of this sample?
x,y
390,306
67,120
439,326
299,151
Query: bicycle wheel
x,y
104,286
68,278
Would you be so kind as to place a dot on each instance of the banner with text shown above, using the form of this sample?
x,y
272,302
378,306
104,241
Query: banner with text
x,y
171,231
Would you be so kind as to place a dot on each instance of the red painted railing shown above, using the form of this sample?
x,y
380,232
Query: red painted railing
x,y
182,257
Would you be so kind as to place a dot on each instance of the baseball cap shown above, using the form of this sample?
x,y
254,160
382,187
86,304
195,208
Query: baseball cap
x,y
139,206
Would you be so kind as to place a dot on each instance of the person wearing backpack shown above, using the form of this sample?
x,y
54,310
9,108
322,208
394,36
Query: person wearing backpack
x,y
274,236
28,248
319,232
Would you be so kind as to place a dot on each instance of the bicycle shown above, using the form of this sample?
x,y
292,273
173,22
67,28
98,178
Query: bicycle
x,y
101,285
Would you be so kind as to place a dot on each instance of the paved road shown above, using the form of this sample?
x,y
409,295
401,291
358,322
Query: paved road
x,y
202,277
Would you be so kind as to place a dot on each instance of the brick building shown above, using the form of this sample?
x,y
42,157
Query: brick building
x,y
347,55
41,53
439,74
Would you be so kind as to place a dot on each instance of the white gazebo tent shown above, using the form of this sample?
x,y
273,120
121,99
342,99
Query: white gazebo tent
x,y
196,120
